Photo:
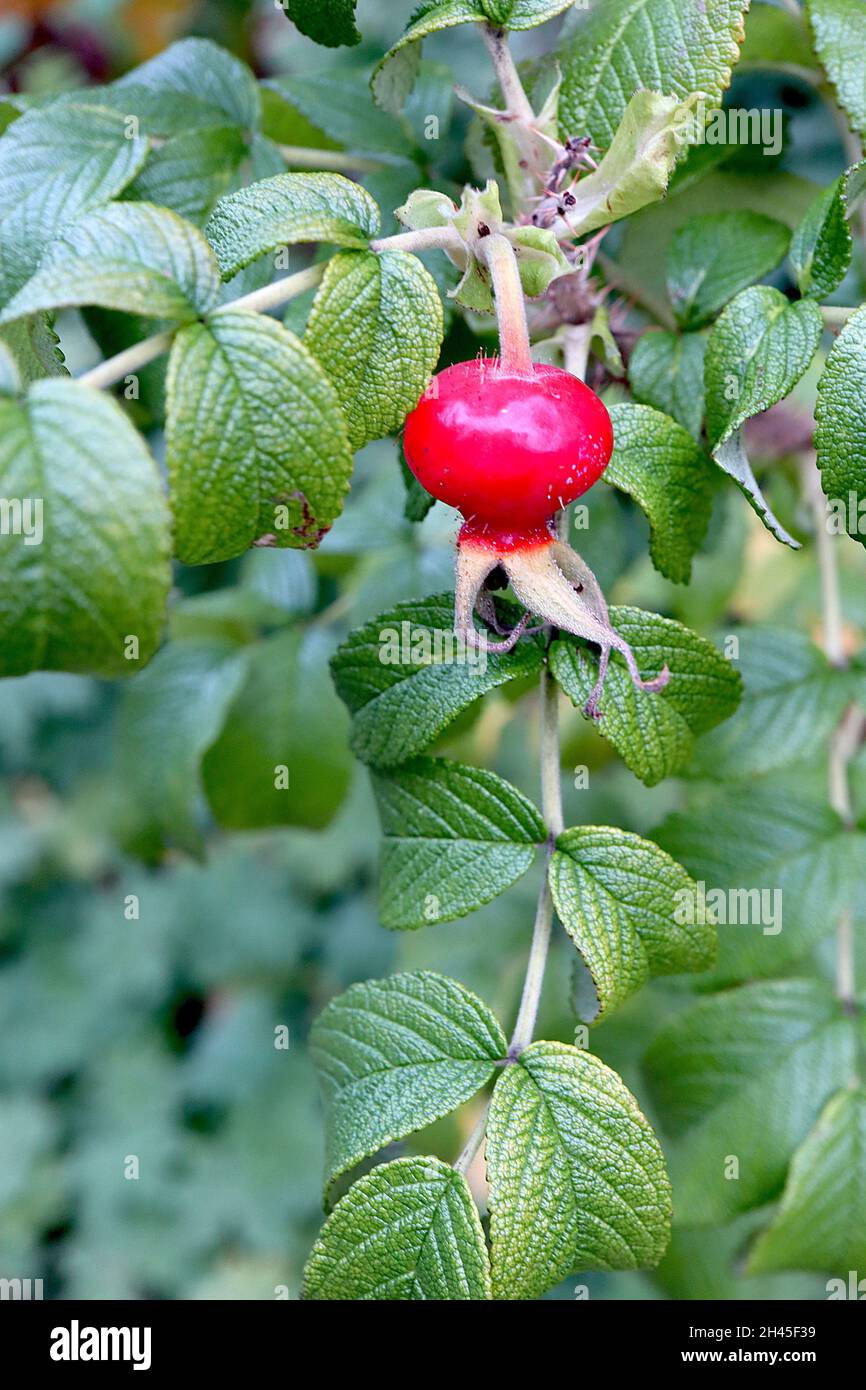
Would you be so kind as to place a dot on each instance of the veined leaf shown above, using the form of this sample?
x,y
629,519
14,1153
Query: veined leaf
x,y
407,1231
821,246
756,353
191,171
624,903
660,465
289,208
653,733
733,460
406,675
713,257
394,1055
821,1221
89,571
341,106
376,328
776,869
281,757
666,371
840,438
35,348
792,701
577,1178
257,445
329,22
743,1077
130,256
638,165
170,715
191,84
670,46
455,837
56,163
839,28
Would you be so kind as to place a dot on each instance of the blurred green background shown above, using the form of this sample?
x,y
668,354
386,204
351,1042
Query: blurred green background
x,y
143,986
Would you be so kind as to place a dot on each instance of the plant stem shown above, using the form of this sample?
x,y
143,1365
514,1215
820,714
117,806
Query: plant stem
x,y
517,103
497,253
340,160
837,315
851,729
474,1142
424,239
551,802
132,359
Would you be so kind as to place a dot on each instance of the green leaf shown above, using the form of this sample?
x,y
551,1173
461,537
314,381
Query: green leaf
x,y
774,37
99,574
777,867
743,1076
35,347
257,445
666,371
329,22
840,439
756,353
289,208
622,899
191,171
792,702
342,108
376,328
130,256
821,1222
394,1055
455,838
406,675
577,1178
733,460
193,83
653,733
839,29
55,164
171,714
408,1230
822,244
713,257
282,756
660,465
670,46
637,167
394,76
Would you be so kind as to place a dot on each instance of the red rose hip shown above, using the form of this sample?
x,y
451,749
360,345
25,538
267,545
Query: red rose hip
x,y
507,450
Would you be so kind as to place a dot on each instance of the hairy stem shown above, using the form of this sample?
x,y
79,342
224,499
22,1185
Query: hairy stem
x,y
424,239
132,359
551,804
851,729
517,103
497,253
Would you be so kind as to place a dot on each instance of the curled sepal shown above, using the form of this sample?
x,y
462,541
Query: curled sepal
x,y
553,582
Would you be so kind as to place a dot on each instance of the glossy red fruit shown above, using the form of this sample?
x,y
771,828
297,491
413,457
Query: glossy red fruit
x,y
508,451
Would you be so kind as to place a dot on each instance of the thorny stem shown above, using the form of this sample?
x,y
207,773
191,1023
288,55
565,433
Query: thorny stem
x,y
496,251
851,729
517,102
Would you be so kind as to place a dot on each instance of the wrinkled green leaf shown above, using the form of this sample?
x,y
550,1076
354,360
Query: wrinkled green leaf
x,y
285,209
191,171
407,1231
840,438
670,46
659,464
653,733
130,256
839,29
622,902
405,676
666,371
99,572
577,1178
329,22
822,245
455,837
743,1076
340,105
393,1055
191,84
714,256
257,445
376,328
